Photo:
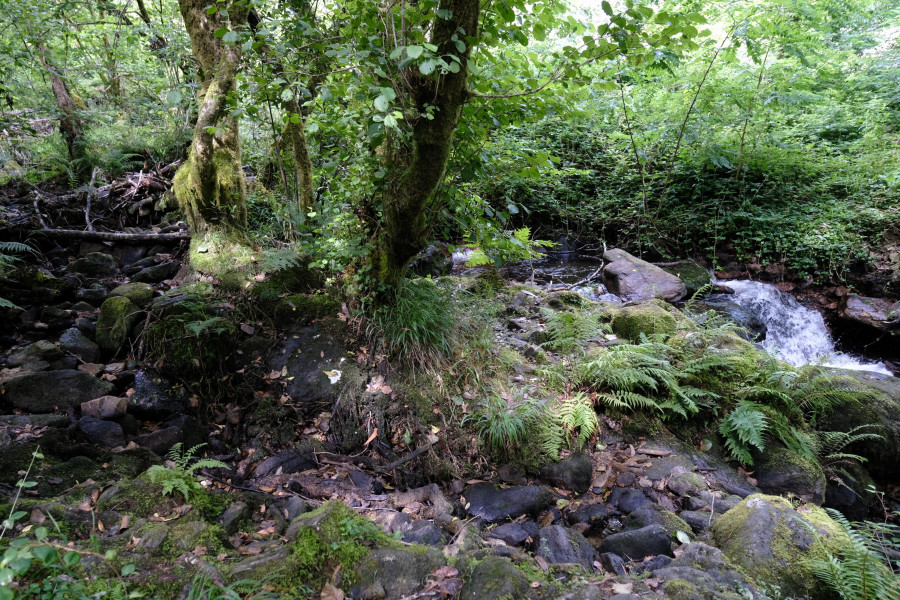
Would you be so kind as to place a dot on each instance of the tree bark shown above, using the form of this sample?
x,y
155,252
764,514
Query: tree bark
x,y
210,185
70,125
417,171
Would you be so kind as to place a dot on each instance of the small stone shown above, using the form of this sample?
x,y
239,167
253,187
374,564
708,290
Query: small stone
x,y
75,342
104,433
612,563
511,533
625,479
105,407
96,264
573,473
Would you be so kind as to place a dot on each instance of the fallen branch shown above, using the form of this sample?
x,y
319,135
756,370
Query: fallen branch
x,y
114,236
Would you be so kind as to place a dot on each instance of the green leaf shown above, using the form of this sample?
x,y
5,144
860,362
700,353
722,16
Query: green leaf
x,y
220,32
312,127
453,67
382,103
427,67
390,121
71,559
232,37
46,554
128,570
287,94
414,51
683,537
174,98
540,34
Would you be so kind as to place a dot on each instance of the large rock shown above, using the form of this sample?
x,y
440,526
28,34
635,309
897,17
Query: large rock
x,y
95,264
491,503
154,397
701,571
139,293
157,273
117,315
629,322
41,350
882,412
495,579
573,473
558,545
879,313
75,342
397,572
633,279
771,541
782,471
104,433
694,275
45,391
637,544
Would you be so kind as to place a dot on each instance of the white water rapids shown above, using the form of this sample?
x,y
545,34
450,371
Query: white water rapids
x,y
796,334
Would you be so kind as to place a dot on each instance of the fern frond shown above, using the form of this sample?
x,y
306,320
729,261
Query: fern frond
x,y
743,428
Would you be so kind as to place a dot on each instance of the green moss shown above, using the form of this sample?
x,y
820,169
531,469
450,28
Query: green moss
x,y
648,318
680,589
140,294
117,315
303,309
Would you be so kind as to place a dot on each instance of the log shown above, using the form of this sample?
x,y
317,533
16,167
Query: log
x,y
114,236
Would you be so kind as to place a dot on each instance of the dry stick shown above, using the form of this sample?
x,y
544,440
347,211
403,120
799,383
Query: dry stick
x,y
112,236
762,70
687,115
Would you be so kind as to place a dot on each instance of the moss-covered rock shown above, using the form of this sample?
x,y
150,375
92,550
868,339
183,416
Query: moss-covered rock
x,y
692,274
782,471
772,541
303,309
140,294
117,316
394,572
495,578
649,318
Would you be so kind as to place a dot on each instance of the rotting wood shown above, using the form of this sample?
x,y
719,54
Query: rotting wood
x,y
114,236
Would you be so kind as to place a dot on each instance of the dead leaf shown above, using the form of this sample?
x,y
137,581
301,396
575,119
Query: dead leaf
x,y
199,550
37,516
92,368
621,588
445,571
329,592
542,563
371,437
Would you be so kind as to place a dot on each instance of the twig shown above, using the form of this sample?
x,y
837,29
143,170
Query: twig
x,y
90,196
109,235
586,279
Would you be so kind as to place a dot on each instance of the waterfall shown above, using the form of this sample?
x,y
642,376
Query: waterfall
x,y
796,334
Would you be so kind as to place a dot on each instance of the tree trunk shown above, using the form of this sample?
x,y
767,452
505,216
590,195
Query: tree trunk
x,y
417,171
295,133
210,185
70,125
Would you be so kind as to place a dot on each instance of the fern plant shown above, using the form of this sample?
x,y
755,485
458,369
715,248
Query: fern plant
x,y
861,570
503,424
7,259
744,429
180,477
568,331
570,423
831,450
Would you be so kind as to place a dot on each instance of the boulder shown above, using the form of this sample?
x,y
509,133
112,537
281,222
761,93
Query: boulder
x,y
653,514
573,473
117,315
637,544
851,492
104,433
41,350
687,484
492,503
633,279
771,541
157,273
395,572
629,322
694,275
627,500
495,579
513,534
782,471
105,407
45,391
95,264
153,397
425,533
75,342
139,293
558,545
878,313
701,571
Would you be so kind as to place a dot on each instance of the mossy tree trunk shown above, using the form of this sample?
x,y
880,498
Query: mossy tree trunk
x,y
418,170
70,125
210,185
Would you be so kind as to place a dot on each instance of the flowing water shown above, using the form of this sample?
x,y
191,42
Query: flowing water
x,y
795,334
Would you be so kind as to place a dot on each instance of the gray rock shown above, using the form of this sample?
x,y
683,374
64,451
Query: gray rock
x,y
104,433
573,473
612,563
425,533
879,313
153,398
633,279
105,407
637,544
706,570
851,496
157,273
656,515
627,499
45,391
295,507
95,264
231,518
783,471
694,275
41,350
491,503
687,484
139,293
289,461
593,515
433,261
495,579
95,294
399,572
698,520
558,545
74,341
152,537
511,533
161,441
57,317
257,567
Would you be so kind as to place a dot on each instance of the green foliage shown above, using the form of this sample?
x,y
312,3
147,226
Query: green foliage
x,y
180,477
744,429
7,259
504,422
503,247
568,331
568,424
831,450
861,571
202,588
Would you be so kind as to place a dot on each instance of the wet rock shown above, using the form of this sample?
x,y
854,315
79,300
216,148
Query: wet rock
x,y
117,316
57,317
637,544
772,542
701,571
153,398
495,579
95,294
82,306
512,534
287,462
627,499
95,264
851,493
687,484
307,353
782,471
633,279
45,391
878,313
157,273
105,407
699,521
652,564
573,473
86,326
592,515
425,533
492,503
104,433
75,342
140,294
558,545
612,563
629,322
399,572
433,261
752,327
656,515
42,350
233,515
